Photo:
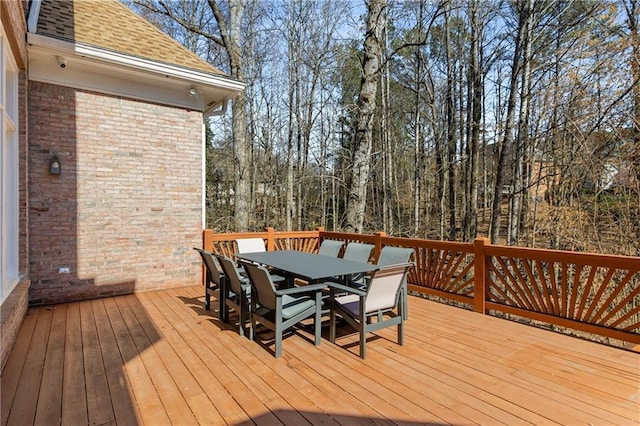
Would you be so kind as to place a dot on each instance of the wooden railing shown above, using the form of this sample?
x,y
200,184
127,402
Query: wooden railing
x,y
597,294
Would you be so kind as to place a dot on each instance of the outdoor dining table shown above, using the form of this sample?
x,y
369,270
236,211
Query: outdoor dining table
x,y
310,267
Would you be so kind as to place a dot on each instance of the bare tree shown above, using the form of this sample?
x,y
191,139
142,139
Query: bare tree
x,y
451,124
470,222
523,13
632,10
371,67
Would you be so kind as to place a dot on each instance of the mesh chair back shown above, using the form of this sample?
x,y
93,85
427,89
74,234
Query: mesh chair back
x,y
358,252
231,273
250,245
263,288
330,248
384,286
394,255
213,268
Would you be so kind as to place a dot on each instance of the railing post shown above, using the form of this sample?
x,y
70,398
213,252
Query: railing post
x,y
320,230
207,240
378,244
271,238
480,274
207,244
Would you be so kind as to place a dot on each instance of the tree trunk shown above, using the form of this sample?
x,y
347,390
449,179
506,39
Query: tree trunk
x,y
373,46
520,146
633,16
231,36
507,137
632,8
417,163
475,107
388,201
451,130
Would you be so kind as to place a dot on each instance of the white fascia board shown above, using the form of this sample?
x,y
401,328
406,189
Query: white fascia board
x,y
156,81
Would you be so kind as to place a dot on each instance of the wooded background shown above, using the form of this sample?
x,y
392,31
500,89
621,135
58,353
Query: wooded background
x,y
517,120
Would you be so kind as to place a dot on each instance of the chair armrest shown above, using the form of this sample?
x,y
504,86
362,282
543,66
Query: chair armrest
x,y
397,265
347,289
311,288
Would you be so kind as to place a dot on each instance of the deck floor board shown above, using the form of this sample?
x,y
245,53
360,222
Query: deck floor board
x,y
74,400
160,358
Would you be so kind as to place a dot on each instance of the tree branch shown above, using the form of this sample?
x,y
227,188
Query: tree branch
x,y
167,11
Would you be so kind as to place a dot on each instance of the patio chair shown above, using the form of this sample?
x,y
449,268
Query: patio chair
x,y
371,309
358,252
250,245
389,255
392,256
330,248
213,279
256,245
237,294
279,310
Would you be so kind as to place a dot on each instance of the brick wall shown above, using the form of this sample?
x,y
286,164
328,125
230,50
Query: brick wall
x,y
12,313
14,307
126,210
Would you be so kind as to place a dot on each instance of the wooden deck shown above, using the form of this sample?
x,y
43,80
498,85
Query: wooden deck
x,y
160,358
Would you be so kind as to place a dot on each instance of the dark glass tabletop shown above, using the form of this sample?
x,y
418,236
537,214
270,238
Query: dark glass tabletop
x,y
308,266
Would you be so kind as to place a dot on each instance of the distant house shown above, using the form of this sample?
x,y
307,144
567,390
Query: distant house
x,y
102,170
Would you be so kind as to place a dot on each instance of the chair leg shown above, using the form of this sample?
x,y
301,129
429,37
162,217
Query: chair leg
x,y
405,300
221,305
363,329
317,322
278,330
252,322
224,309
278,333
332,319
243,316
401,333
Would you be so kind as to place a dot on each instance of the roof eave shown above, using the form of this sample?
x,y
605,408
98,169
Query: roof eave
x,y
212,88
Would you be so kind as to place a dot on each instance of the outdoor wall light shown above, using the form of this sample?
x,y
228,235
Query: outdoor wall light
x,y
55,165
193,92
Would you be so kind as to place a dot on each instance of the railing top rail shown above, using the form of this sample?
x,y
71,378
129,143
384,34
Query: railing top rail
x,y
228,236
423,243
237,235
347,236
592,259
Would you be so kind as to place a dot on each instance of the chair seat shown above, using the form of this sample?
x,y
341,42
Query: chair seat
x,y
292,306
350,302
246,289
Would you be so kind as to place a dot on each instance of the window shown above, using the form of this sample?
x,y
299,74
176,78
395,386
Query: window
x,y
9,165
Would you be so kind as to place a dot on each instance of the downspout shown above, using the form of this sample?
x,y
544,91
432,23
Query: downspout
x,y
203,155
